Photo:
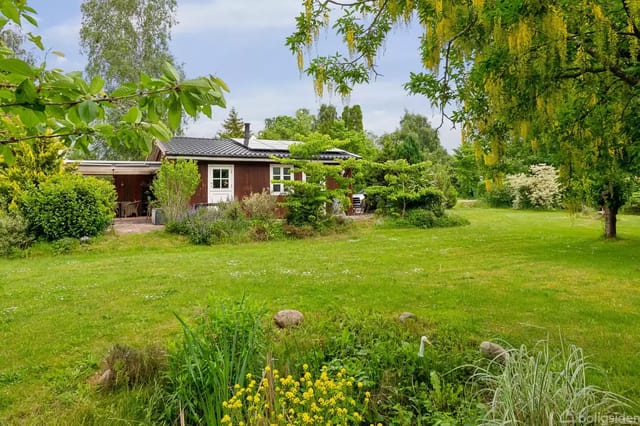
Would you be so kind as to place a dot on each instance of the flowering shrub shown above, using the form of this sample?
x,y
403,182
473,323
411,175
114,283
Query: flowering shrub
x,y
539,189
285,400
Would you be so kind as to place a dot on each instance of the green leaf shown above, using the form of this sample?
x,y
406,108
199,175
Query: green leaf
x,y
220,83
170,72
188,104
104,129
97,83
26,92
88,111
160,131
37,40
175,112
127,89
9,10
133,116
17,66
6,154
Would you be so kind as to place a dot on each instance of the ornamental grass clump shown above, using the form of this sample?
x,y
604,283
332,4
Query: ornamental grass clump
x,y
542,388
276,399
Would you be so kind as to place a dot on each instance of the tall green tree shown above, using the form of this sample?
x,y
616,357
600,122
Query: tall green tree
x,y
352,118
326,119
37,103
122,39
285,127
232,126
561,73
415,141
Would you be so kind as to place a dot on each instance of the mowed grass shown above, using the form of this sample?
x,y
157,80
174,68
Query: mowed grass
x,y
512,275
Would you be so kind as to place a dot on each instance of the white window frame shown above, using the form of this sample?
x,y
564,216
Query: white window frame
x,y
278,188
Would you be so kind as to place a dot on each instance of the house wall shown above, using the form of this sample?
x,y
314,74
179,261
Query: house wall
x,y
247,179
250,178
201,195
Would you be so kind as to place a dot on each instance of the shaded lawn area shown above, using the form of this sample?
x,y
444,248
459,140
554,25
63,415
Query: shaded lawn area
x,y
517,276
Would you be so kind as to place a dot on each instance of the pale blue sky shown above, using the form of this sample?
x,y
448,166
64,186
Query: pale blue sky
x,y
242,42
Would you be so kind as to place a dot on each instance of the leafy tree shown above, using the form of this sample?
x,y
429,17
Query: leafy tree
x,y
121,39
554,73
415,141
405,186
233,126
467,173
352,118
174,185
38,103
327,116
284,127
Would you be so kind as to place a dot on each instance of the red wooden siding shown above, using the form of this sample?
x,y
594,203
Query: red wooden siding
x,y
250,178
202,193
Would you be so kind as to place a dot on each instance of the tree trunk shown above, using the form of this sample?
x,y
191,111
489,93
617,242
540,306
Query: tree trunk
x,y
609,223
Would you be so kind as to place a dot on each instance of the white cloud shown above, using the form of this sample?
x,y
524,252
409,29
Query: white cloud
x,y
239,15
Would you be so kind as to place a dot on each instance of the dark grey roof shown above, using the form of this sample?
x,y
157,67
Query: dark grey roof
x,y
228,148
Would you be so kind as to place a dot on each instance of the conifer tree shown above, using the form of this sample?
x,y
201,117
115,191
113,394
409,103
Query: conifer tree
x,y
233,126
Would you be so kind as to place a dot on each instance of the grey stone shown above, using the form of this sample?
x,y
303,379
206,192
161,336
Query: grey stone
x,y
106,379
494,351
407,315
288,318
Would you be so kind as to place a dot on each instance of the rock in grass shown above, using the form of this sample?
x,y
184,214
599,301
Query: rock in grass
x,y
494,351
407,315
288,318
106,379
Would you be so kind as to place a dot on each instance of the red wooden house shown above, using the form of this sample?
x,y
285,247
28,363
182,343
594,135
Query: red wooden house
x,y
231,169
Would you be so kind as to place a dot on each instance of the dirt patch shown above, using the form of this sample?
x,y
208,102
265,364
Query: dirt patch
x,y
134,225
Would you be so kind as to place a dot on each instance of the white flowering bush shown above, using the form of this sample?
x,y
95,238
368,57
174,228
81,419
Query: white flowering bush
x,y
539,189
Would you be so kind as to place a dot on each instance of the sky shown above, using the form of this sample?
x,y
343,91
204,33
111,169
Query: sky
x,y
242,42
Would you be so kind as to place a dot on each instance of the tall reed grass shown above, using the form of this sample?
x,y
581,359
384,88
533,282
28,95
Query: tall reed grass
x,y
213,356
539,388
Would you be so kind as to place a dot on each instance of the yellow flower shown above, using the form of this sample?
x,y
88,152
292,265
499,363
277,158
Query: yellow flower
x,y
226,419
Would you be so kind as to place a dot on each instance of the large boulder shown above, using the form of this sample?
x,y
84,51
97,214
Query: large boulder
x,y
288,318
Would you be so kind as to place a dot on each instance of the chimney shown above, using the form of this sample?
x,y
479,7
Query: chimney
x,y
247,133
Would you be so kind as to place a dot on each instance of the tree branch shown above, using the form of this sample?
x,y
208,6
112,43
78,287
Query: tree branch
x,y
111,99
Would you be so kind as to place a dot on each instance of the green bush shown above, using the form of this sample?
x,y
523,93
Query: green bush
x,y
261,206
14,233
306,204
223,223
499,196
69,206
174,185
633,204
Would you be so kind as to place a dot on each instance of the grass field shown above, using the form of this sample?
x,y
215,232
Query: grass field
x,y
517,276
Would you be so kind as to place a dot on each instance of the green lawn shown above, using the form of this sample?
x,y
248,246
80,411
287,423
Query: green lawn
x,y
519,276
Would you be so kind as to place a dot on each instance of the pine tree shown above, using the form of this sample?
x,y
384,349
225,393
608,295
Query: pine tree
x,y
233,126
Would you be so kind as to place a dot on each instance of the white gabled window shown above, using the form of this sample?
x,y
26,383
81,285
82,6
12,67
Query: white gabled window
x,y
280,173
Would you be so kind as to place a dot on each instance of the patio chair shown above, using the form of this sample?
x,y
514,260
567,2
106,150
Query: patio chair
x,y
131,209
